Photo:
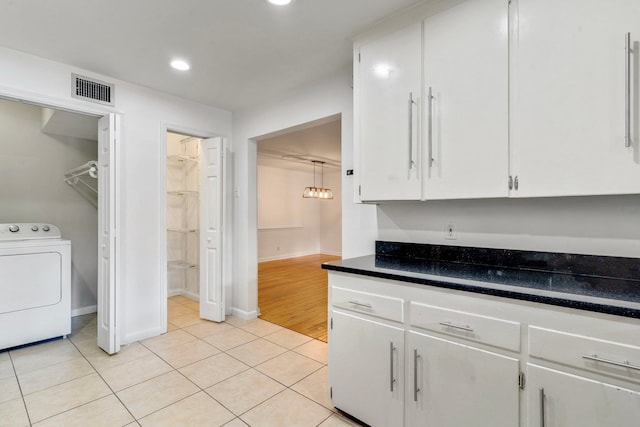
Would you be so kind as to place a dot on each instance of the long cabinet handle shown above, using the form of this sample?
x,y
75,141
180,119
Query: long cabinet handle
x,y
361,304
416,389
392,380
430,125
411,102
627,94
542,408
624,364
453,325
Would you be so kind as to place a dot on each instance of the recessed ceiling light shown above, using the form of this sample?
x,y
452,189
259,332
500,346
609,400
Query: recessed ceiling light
x,y
181,65
280,2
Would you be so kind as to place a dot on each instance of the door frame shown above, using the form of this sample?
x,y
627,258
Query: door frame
x,y
88,109
162,207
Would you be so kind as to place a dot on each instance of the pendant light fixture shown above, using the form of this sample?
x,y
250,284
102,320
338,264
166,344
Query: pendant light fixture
x,y
317,192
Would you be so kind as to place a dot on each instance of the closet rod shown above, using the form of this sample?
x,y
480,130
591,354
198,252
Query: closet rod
x,y
91,168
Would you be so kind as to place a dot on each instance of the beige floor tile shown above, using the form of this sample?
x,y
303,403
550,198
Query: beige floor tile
x,y
286,409
6,367
13,414
149,396
245,391
171,327
289,368
287,338
187,353
42,355
316,350
337,420
167,340
186,319
175,310
134,372
316,388
88,346
194,305
127,353
205,329
212,370
104,412
197,410
237,422
54,400
90,331
9,390
236,321
256,352
261,327
40,379
230,339
180,299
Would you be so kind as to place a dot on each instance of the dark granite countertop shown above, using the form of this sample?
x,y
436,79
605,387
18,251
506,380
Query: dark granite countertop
x,y
602,284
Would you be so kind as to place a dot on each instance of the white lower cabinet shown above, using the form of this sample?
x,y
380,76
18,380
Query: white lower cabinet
x,y
367,369
452,385
560,399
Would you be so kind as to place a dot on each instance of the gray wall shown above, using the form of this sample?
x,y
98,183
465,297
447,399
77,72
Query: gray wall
x,y
32,189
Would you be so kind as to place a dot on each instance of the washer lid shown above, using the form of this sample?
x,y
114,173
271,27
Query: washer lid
x,y
28,231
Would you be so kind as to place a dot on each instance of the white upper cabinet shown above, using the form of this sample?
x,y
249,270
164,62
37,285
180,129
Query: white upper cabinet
x,y
466,69
573,79
387,103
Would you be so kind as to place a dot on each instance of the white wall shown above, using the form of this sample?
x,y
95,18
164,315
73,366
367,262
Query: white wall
x,y
603,225
32,189
145,116
323,99
288,225
331,215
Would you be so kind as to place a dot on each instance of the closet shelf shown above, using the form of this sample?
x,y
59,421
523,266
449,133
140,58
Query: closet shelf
x,y
182,158
182,230
182,265
184,193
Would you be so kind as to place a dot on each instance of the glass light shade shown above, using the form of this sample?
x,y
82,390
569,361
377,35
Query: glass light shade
x,y
317,193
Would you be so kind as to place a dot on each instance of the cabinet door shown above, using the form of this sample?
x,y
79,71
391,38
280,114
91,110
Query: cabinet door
x,y
466,69
388,93
366,369
568,400
453,385
569,96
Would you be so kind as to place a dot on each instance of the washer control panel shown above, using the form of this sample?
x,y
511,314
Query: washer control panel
x,y
28,231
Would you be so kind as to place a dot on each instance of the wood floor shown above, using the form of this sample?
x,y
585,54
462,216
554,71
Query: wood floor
x,y
292,293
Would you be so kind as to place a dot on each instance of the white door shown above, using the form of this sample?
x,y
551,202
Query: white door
x,y
570,97
388,94
366,369
566,400
466,69
108,134
454,385
211,235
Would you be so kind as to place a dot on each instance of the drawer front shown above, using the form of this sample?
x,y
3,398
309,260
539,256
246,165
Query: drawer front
x,y
595,355
487,330
372,304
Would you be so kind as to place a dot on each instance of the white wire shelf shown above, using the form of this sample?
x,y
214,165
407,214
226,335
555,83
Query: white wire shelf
x,y
190,193
183,230
182,158
182,265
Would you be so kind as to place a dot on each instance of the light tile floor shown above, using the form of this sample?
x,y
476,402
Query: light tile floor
x,y
200,373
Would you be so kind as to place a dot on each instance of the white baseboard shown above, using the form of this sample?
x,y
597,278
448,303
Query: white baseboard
x,y
244,315
331,253
84,310
184,293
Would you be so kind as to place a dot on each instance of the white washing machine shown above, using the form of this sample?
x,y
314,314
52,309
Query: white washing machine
x,y
35,284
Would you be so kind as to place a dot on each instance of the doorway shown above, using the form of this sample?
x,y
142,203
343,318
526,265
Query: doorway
x,y
297,234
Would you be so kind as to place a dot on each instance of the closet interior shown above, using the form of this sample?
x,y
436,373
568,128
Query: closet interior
x,y
183,225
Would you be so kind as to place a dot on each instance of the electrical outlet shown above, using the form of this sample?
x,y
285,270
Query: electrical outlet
x,y
450,232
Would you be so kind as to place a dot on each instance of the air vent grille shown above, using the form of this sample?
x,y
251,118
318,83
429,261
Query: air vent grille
x,y
92,90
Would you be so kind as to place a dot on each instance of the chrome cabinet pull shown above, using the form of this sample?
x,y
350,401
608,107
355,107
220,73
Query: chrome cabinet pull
x,y
361,304
411,102
624,364
416,389
391,378
627,94
452,325
542,397
430,126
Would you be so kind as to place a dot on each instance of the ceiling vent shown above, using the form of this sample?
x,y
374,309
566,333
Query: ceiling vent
x,y
92,90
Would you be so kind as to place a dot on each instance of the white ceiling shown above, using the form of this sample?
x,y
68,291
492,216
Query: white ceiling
x,y
243,52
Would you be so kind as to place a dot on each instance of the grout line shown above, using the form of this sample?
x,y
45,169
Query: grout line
x,y
24,403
